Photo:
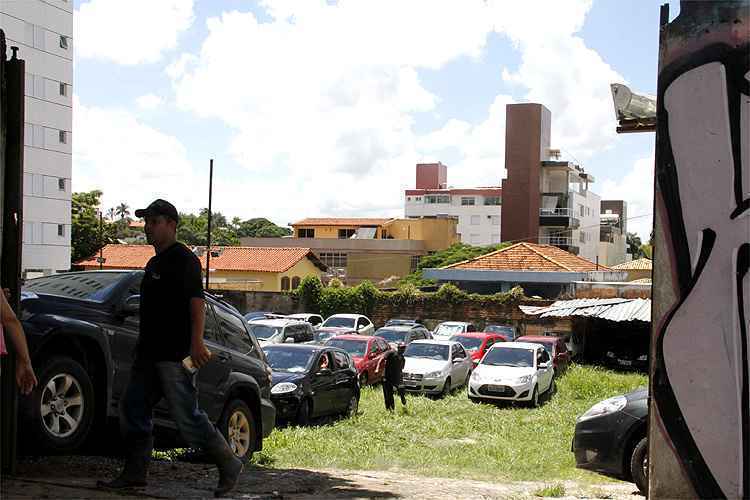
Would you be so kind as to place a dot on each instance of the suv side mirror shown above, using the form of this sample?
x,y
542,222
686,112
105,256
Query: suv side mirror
x,y
544,365
289,340
132,305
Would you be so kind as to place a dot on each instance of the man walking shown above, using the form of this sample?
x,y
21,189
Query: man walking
x,y
172,317
394,367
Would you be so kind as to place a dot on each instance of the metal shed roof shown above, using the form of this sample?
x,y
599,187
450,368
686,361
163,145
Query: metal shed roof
x,y
609,309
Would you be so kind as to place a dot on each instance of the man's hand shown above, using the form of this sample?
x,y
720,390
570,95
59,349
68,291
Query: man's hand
x,y
199,352
25,377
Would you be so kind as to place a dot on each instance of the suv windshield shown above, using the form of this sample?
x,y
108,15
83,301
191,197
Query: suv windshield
x,y
431,351
95,286
523,358
469,343
502,330
391,335
288,360
445,330
353,347
264,332
340,322
319,336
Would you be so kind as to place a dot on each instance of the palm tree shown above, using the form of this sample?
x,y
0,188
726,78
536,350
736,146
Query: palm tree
x,y
111,214
122,210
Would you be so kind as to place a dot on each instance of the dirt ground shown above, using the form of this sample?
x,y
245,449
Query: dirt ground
x,y
75,477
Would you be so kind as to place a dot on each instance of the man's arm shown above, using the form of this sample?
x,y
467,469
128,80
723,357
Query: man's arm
x,y
198,350
25,377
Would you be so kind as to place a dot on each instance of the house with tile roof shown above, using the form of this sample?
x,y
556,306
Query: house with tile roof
x,y
231,267
542,270
636,269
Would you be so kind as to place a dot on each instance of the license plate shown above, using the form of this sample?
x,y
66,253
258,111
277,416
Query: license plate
x,y
496,388
409,383
625,362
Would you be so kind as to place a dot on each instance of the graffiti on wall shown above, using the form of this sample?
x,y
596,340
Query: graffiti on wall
x,y
701,378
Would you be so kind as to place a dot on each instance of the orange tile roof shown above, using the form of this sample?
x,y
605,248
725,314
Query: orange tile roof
x,y
643,263
257,259
529,257
340,222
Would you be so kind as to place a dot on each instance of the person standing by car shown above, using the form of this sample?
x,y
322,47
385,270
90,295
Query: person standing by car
x,y
172,317
394,367
25,377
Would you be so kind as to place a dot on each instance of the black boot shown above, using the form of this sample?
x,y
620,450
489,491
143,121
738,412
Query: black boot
x,y
229,465
135,471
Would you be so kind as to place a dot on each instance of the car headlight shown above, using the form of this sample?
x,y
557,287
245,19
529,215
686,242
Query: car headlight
x,y
283,388
523,380
475,375
605,407
433,374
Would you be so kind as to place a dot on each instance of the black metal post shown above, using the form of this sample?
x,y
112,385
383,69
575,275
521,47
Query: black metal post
x,y
101,241
208,240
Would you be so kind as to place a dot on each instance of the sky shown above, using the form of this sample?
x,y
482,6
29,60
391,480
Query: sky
x,y
322,108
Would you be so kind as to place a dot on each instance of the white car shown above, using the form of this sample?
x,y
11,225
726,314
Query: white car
x,y
435,366
314,319
361,324
447,329
279,331
513,371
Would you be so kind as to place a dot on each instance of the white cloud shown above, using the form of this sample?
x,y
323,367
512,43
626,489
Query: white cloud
x,y
130,32
148,101
637,188
128,160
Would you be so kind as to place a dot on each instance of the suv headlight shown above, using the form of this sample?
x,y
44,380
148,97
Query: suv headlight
x,y
523,380
433,374
283,388
605,407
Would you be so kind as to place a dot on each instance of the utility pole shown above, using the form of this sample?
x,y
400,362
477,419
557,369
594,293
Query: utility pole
x,y
101,240
208,239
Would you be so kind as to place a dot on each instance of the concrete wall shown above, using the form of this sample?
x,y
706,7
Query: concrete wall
x,y
376,266
700,384
437,234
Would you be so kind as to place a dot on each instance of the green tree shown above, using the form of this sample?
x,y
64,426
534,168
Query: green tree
x,y
193,229
86,237
259,228
634,245
122,210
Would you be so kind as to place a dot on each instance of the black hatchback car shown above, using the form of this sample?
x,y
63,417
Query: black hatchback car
x,y
312,381
82,329
611,438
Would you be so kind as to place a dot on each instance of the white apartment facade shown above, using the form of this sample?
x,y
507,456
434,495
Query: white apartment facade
x,y
43,32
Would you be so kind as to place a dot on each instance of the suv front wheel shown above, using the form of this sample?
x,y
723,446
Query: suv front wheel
x,y
62,406
237,424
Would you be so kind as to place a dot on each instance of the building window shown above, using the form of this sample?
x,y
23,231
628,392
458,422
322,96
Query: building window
x,y
63,42
63,137
306,233
492,200
285,284
63,89
467,200
61,184
414,262
60,230
295,282
581,210
345,234
475,220
437,198
495,220
582,237
408,198
334,259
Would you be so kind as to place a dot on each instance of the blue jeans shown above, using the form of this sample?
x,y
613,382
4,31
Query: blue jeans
x,y
148,384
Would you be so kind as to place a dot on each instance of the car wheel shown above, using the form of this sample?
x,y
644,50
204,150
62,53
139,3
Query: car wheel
x,y
62,406
303,414
363,379
534,402
446,388
552,387
237,424
352,407
639,466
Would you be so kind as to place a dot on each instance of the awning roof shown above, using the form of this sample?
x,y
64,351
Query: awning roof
x,y
609,309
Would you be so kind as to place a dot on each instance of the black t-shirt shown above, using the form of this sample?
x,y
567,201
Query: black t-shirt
x,y
171,279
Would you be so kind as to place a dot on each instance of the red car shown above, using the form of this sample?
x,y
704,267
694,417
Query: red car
x,y
368,354
555,347
477,343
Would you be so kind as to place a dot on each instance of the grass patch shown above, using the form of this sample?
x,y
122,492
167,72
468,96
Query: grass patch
x,y
454,437
555,491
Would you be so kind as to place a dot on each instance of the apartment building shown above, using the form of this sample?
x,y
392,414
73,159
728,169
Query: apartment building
x,y
476,209
43,32
613,232
546,200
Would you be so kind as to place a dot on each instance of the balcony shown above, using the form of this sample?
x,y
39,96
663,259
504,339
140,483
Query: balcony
x,y
559,217
562,242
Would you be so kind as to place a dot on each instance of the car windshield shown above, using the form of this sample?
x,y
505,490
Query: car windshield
x,y
469,343
509,357
431,351
394,322
319,336
391,335
264,332
353,347
254,315
446,330
338,321
502,330
94,286
289,360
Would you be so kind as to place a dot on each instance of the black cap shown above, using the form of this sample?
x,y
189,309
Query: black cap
x,y
159,207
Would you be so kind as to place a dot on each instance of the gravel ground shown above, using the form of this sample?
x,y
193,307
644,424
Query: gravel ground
x,y
75,477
